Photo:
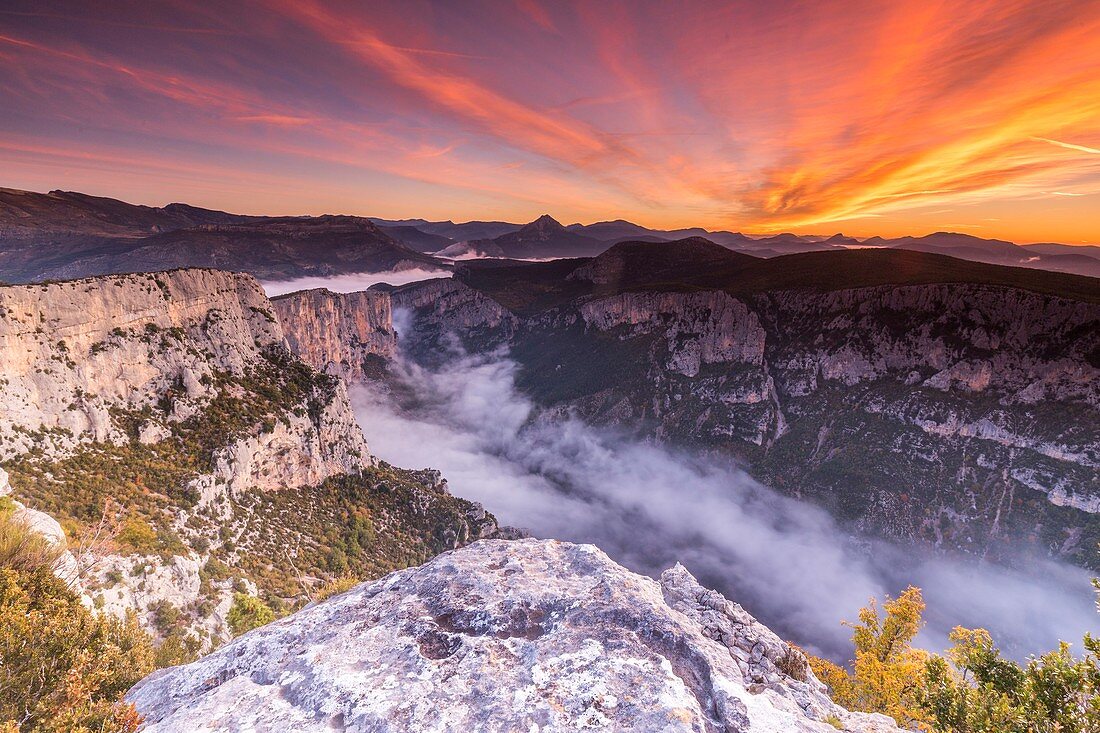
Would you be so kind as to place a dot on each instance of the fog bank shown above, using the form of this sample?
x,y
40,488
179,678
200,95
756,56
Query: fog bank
x,y
351,282
648,506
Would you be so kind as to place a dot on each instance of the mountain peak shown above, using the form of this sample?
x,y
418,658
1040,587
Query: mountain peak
x,y
545,222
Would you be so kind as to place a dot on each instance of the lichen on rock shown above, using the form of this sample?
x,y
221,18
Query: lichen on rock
x,y
504,636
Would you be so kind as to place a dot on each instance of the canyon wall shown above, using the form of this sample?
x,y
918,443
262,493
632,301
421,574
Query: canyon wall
x,y
160,426
962,416
350,334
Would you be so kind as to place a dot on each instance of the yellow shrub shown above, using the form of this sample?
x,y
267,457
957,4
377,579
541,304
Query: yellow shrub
x,y
887,672
62,667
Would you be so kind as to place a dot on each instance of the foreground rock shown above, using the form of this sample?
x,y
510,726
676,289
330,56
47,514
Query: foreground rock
x,y
527,635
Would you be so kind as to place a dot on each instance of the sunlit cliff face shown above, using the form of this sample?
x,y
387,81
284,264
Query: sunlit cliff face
x,y
872,118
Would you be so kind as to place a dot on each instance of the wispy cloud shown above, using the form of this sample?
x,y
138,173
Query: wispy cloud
x,y
730,115
1068,146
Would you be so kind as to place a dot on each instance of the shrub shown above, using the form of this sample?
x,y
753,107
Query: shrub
x,y
247,613
975,690
62,667
177,648
335,586
886,674
138,535
165,616
23,550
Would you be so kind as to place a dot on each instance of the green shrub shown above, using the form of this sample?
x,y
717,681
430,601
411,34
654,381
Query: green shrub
x,y
165,616
138,536
976,690
247,613
177,648
335,586
62,667
24,550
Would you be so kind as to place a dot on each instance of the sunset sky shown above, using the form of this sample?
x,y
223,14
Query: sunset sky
x,y
901,117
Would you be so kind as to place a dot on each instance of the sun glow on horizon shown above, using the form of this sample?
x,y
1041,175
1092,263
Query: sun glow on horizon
x,y
880,119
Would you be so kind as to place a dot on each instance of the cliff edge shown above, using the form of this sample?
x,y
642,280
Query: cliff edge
x,y
505,636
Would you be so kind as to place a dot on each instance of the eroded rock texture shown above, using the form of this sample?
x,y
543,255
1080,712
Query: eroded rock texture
x,y
530,635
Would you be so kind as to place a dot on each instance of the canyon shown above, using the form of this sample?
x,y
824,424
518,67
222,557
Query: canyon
x,y
209,429
960,416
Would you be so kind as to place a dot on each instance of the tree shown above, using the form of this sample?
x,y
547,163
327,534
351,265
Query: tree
x,y
62,667
247,613
887,672
975,690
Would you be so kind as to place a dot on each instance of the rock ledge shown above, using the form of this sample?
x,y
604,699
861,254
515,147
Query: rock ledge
x,y
528,635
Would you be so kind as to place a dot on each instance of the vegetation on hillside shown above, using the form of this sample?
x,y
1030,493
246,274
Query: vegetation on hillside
x,y
282,544
152,481
535,287
971,689
63,668
886,669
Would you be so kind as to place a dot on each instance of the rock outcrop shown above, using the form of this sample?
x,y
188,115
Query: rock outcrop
x,y
472,319
73,353
698,328
347,334
463,307
505,636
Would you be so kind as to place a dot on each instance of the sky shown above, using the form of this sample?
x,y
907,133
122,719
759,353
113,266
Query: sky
x,y
895,118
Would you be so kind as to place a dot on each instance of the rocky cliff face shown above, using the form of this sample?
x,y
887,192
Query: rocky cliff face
x,y
964,416
506,636
75,356
162,420
350,335
470,316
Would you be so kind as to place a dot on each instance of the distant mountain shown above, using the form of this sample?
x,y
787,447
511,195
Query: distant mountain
x,y
951,242
1059,258
621,230
545,237
29,215
462,232
789,244
1084,250
61,235
68,234
475,249
417,239
614,230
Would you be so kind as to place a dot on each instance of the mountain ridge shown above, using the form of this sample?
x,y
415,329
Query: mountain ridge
x,y
97,228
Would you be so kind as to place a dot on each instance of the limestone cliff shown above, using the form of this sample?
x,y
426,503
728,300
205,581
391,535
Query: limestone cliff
x,y
506,636
73,354
162,420
471,317
350,334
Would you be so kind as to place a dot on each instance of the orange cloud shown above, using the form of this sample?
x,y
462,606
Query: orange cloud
x,y
747,115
